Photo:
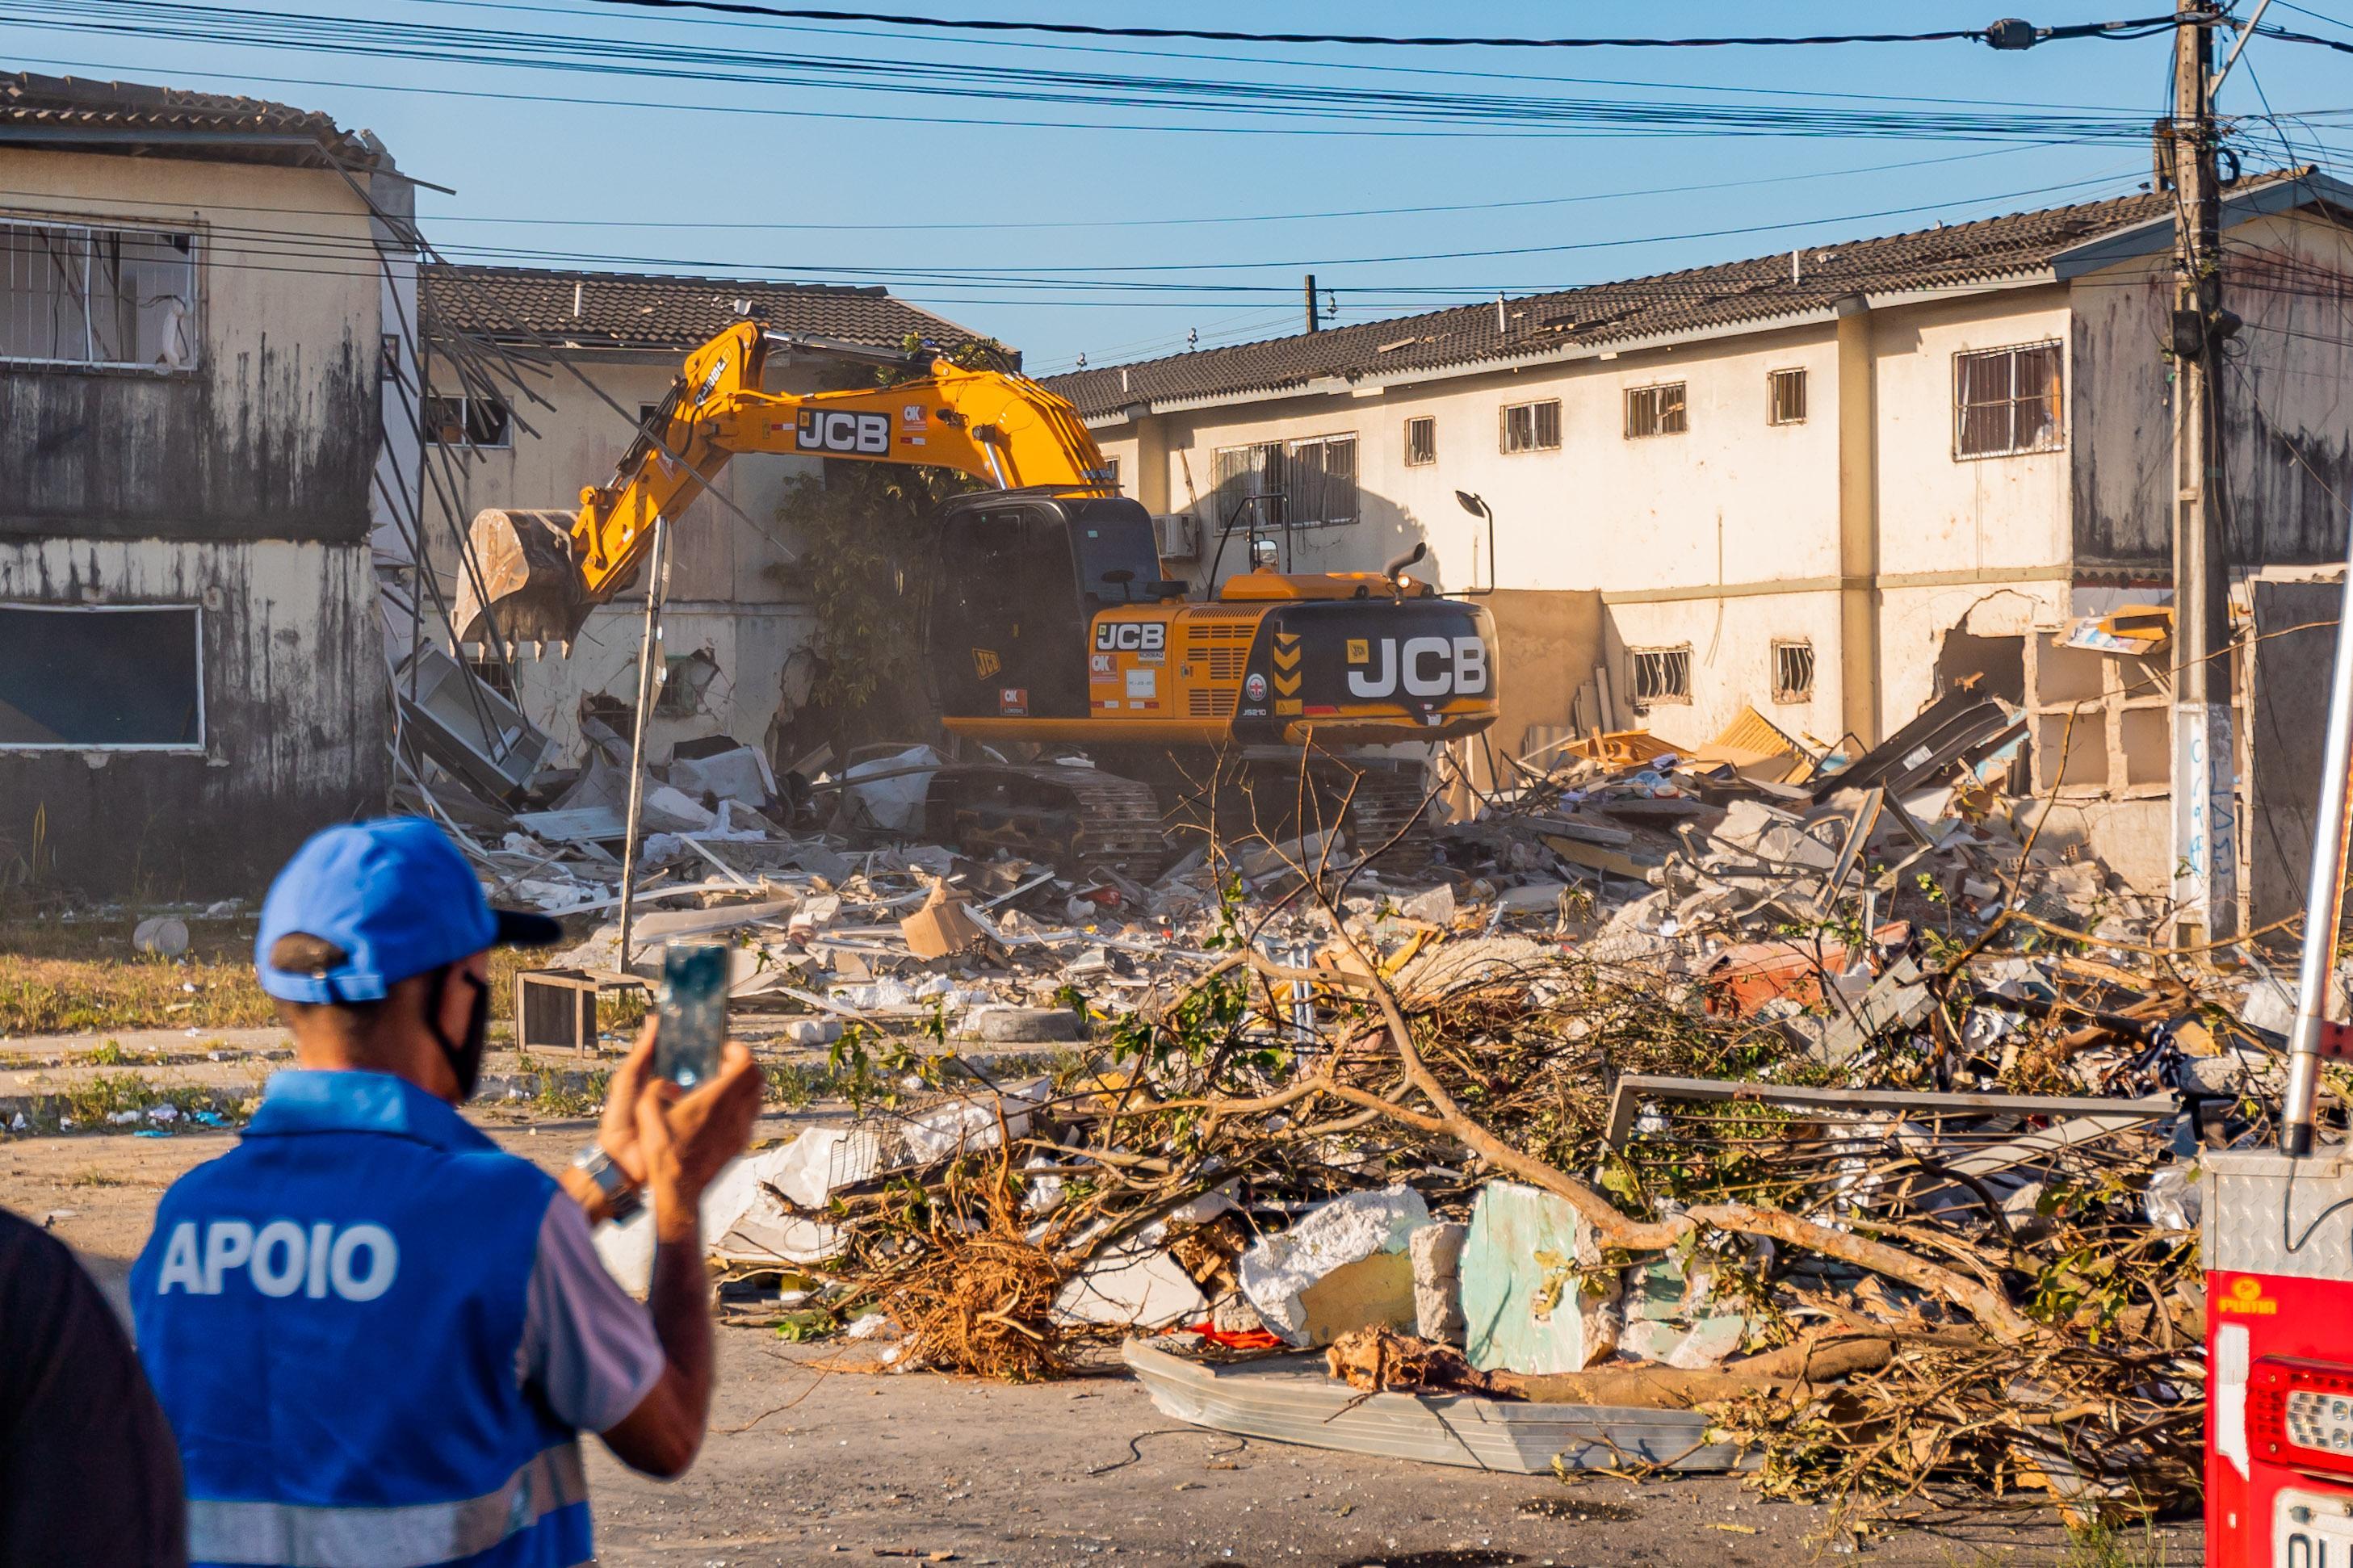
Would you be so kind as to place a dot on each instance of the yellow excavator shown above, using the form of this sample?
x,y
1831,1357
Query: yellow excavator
x,y
1049,617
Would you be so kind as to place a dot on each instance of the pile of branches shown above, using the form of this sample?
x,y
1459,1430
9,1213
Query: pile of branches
x,y
2052,1344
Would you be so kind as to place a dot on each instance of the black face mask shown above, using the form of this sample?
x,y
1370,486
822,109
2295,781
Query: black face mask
x,y
465,1056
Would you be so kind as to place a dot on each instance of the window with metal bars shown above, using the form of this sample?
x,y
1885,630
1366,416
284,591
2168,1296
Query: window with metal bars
x,y
495,673
1793,671
1655,411
2006,401
1532,427
72,294
1661,675
1420,442
1304,482
1787,389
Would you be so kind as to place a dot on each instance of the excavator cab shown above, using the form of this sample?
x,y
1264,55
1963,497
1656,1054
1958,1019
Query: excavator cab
x,y
1018,580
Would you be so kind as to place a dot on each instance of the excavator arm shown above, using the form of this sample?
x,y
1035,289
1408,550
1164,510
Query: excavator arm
x,y
536,575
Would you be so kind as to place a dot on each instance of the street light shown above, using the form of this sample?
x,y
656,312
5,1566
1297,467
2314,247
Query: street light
x,y
1473,504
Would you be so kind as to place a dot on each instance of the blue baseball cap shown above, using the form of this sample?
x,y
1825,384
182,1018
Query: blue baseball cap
x,y
396,896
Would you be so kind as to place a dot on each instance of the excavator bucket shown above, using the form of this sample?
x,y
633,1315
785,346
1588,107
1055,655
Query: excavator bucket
x,y
521,584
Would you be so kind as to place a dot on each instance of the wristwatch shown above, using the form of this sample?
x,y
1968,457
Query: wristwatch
x,y
620,1193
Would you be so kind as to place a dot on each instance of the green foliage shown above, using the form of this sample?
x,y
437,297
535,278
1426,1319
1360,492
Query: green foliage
x,y
866,529
2108,1546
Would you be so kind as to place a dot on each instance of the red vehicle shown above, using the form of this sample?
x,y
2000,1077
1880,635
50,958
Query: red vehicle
x,y
2278,1248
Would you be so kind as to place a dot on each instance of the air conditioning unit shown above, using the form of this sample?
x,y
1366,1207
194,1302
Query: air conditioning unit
x,y
1180,534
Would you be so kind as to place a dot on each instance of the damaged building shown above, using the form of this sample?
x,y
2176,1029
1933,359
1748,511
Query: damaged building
x,y
1822,485
603,349
193,331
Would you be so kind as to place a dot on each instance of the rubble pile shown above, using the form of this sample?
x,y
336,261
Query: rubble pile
x,y
1814,1100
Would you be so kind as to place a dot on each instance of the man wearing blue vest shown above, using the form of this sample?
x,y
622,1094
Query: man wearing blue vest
x,y
376,1336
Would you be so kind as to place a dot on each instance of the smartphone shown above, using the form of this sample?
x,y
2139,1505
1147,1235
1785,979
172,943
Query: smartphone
x,y
693,1016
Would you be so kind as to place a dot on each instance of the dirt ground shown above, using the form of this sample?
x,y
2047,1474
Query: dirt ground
x,y
814,1459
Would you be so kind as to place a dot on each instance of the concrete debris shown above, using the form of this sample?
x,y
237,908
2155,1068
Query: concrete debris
x,y
1280,1272
1534,1296
1760,983
1437,1252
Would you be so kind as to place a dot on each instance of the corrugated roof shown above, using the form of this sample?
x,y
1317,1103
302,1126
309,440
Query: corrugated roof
x,y
640,311
74,114
1727,295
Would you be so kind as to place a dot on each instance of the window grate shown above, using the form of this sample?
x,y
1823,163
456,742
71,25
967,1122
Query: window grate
x,y
1300,482
1793,671
495,673
118,298
1661,675
1420,442
1655,411
1789,397
2006,401
1532,427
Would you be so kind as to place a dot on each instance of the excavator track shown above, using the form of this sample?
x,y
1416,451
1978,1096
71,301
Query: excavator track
x,y
1390,807
1076,818
1380,810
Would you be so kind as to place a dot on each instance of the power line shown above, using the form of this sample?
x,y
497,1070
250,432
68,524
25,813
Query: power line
x,y
272,242
1547,78
1059,225
1256,101
2136,29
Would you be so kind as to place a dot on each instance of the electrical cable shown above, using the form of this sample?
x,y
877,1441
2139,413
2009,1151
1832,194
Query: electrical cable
x,y
2138,27
1259,101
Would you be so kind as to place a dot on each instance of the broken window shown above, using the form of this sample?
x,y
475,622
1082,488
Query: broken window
x,y
1661,675
78,295
686,683
1420,442
1655,411
495,673
102,678
1788,393
2006,401
1532,427
1793,671
454,421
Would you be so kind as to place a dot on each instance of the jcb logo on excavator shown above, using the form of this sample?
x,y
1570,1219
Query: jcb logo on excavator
x,y
820,430
1430,667
1135,637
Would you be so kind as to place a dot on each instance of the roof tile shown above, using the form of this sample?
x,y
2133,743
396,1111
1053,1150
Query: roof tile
x,y
59,106
672,314
1754,290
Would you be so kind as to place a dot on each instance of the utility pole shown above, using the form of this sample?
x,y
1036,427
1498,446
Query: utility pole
x,y
2205,810
1313,324
649,654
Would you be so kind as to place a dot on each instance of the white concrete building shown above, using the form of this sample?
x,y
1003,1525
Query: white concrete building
x,y
1823,483
193,300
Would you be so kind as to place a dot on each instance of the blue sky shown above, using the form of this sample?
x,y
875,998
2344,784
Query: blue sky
x,y
1109,230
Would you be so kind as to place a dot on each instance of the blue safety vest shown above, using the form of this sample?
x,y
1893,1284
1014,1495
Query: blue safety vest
x,y
333,1315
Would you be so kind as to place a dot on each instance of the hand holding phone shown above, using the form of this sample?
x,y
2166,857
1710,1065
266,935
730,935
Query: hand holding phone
x,y
693,1018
